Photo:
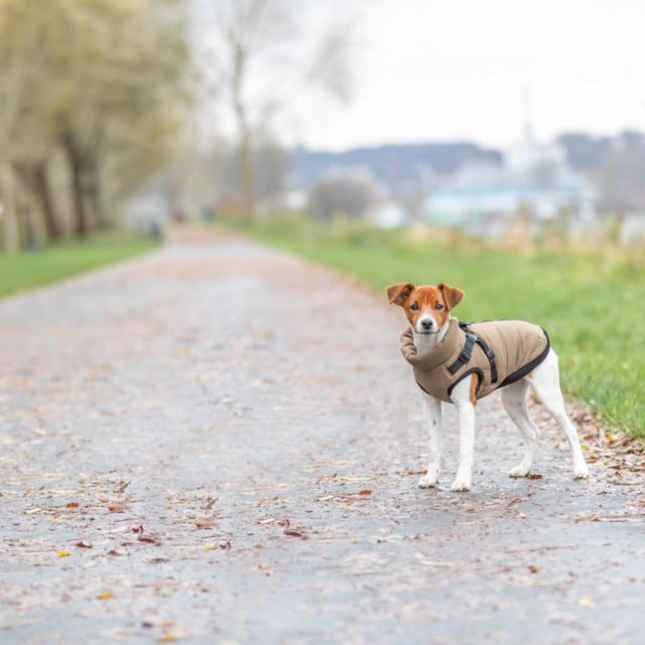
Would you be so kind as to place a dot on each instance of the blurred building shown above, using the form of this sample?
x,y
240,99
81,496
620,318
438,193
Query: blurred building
x,y
533,178
387,213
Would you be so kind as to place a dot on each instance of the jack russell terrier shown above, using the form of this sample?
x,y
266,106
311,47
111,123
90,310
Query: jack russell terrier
x,y
462,362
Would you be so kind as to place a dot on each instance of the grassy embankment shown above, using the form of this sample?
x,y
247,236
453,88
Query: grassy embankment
x,y
39,268
592,304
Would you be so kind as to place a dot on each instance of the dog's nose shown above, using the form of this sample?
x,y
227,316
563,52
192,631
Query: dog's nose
x,y
426,324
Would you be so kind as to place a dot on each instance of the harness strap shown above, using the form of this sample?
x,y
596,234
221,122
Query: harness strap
x,y
467,352
490,355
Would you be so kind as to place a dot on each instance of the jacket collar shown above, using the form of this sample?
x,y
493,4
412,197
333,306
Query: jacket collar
x,y
438,355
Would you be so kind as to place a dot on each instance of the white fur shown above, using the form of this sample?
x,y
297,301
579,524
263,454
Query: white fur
x,y
545,380
424,318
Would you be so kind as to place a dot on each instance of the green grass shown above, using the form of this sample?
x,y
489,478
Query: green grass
x,y
593,308
39,268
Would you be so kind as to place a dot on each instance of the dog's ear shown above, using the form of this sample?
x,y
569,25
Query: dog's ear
x,y
397,294
451,295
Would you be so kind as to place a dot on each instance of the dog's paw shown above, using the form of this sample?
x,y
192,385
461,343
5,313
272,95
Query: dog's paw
x,y
581,471
460,485
519,471
427,481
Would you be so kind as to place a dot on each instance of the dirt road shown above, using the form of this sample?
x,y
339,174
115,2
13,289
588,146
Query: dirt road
x,y
219,443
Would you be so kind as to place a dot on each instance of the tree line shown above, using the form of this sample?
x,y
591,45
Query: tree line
x,y
92,96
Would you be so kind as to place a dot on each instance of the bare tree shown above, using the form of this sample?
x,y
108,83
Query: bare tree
x,y
261,67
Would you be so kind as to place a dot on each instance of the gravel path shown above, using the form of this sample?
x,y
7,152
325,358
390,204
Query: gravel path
x,y
219,443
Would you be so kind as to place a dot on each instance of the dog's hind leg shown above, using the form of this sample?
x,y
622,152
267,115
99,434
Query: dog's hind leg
x,y
514,400
546,382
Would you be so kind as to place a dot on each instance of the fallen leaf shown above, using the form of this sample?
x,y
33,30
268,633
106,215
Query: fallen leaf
x,y
72,505
106,595
83,545
365,491
116,507
589,518
210,546
203,523
295,533
169,637
113,552
534,476
121,487
148,539
64,554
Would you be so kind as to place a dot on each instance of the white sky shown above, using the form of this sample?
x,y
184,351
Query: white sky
x,y
436,70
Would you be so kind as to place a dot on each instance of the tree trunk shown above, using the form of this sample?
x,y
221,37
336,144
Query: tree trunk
x,y
78,200
46,199
75,162
9,217
248,177
93,191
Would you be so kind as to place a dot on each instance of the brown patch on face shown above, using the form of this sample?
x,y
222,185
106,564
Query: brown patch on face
x,y
418,302
452,295
398,293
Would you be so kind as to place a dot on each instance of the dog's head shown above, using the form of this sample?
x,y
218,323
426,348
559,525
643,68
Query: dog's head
x,y
427,307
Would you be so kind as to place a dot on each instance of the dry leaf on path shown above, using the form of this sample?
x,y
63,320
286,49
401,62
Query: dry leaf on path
x,y
148,539
169,637
295,533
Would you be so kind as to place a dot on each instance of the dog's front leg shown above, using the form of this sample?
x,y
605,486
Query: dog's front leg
x,y
461,395
432,410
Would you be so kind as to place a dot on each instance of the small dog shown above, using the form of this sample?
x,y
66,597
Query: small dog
x,y
460,363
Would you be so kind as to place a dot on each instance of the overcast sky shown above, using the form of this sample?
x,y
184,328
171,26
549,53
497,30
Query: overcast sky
x,y
428,70
439,70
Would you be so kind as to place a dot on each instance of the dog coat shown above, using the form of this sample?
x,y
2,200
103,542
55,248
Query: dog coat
x,y
500,352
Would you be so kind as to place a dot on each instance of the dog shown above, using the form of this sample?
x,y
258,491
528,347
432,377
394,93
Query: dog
x,y
462,362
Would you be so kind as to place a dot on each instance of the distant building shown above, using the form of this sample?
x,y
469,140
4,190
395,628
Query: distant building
x,y
387,214
532,177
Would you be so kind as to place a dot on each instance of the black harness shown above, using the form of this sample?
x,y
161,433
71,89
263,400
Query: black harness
x,y
467,352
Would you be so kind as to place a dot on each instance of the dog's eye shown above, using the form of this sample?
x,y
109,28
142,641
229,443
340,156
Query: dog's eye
x,y
438,306
414,306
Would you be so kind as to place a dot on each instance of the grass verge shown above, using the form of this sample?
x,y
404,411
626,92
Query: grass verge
x,y
592,306
39,268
